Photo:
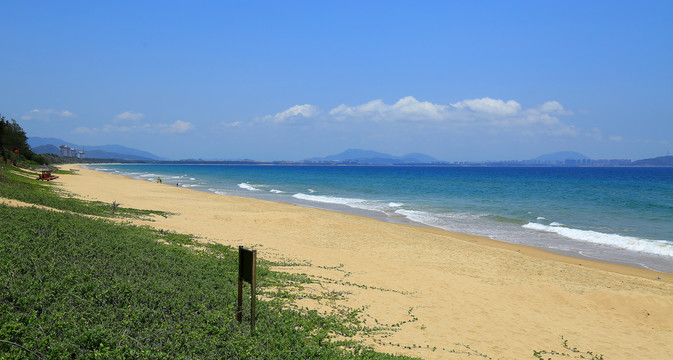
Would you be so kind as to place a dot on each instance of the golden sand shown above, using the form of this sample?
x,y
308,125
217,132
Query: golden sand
x,y
463,295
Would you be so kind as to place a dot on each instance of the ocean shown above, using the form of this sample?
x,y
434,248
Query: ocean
x,y
621,215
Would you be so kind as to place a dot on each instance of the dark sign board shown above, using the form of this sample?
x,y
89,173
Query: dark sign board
x,y
247,264
247,260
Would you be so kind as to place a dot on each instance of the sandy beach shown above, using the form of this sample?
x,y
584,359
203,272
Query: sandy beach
x,y
462,295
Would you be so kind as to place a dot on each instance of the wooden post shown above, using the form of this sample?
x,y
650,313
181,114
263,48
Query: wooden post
x,y
247,271
253,290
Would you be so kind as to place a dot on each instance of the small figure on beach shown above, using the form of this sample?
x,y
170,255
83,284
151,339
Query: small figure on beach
x,y
177,184
159,179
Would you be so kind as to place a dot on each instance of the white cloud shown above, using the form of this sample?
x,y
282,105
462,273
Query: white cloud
x,y
485,114
412,109
130,115
616,138
231,124
178,126
553,107
407,108
488,106
292,114
46,114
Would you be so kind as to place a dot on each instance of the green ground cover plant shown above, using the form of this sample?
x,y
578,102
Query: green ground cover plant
x,y
18,184
78,287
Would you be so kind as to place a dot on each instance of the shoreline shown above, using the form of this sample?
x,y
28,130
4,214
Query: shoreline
x,y
635,262
568,256
505,300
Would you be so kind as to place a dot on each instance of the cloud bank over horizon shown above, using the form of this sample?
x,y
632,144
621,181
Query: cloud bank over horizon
x,y
130,122
47,114
494,115
405,125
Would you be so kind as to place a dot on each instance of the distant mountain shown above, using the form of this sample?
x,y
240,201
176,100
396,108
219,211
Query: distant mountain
x,y
657,161
45,149
39,141
561,156
100,154
418,157
47,145
355,154
129,153
374,157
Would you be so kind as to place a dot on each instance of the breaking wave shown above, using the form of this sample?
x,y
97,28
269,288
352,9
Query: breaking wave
x,y
657,247
247,186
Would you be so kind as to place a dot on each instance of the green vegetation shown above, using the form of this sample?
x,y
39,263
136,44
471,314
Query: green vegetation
x,y
21,185
573,353
78,287
13,146
75,287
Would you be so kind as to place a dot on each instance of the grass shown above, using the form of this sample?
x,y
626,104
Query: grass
x,y
86,288
18,184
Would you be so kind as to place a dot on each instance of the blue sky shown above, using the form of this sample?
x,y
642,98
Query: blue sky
x,y
288,80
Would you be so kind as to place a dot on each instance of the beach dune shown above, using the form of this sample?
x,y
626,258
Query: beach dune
x,y
453,295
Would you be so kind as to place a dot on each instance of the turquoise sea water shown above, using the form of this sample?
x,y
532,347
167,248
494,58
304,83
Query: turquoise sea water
x,y
622,215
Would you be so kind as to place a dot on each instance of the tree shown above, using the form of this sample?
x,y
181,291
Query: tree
x,y
14,142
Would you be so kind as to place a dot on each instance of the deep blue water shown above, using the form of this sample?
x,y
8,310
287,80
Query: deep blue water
x,y
615,214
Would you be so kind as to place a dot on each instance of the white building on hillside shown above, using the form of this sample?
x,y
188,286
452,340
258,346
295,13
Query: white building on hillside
x,y
67,151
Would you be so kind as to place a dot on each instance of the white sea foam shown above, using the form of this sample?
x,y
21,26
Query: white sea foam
x,y
394,204
311,191
352,202
277,191
422,217
657,247
247,186
541,218
555,224
444,221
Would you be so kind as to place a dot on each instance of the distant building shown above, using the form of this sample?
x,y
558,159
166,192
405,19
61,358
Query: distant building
x,y
67,151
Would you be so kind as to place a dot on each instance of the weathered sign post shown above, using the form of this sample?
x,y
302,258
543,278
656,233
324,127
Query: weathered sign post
x,y
247,271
